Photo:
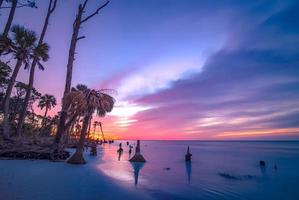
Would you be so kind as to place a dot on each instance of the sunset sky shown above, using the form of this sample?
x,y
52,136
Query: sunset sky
x,y
182,69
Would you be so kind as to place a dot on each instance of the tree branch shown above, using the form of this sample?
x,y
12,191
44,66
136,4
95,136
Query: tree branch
x,y
54,6
95,13
79,38
84,4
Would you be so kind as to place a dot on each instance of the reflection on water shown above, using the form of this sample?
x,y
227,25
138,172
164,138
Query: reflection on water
x,y
200,178
137,167
122,170
188,170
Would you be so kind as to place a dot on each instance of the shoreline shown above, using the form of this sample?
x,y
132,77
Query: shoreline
x,y
45,180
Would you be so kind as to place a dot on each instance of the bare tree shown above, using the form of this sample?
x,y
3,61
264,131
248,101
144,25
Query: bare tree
x,y
79,20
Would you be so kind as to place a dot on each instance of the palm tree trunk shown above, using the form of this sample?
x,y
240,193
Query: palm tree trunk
x,y
26,101
10,17
77,157
1,1
89,126
63,116
51,8
46,112
102,133
44,119
7,99
94,130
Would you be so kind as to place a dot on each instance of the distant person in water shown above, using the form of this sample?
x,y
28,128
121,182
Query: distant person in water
x,y
120,149
188,155
130,150
127,143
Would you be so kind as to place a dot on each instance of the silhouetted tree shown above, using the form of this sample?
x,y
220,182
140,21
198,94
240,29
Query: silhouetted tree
x,y
47,101
94,101
10,18
21,47
5,71
79,20
40,53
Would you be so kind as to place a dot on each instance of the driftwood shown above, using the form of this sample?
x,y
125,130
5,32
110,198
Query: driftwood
x,y
37,149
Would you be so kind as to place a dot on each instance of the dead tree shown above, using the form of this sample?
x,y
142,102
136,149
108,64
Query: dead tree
x,y
79,21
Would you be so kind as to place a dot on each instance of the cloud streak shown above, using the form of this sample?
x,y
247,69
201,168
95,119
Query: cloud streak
x,y
247,90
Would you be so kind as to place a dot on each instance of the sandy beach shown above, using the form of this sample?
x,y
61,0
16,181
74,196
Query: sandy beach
x,y
44,180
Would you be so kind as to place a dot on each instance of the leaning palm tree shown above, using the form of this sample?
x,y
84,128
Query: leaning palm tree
x,y
21,46
47,101
95,101
101,127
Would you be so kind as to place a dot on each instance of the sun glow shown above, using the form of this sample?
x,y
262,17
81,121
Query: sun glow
x,y
125,109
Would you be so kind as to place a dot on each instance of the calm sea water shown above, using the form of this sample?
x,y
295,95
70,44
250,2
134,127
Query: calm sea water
x,y
219,170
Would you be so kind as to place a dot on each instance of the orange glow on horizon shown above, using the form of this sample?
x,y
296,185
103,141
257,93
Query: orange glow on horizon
x,y
278,131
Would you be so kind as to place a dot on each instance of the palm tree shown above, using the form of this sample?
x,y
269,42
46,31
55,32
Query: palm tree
x,y
14,5
40,54
10,17
101,127
47,101
78,22
21,46
95,101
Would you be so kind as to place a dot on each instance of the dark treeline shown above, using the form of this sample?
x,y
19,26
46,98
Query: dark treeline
x,y
21,48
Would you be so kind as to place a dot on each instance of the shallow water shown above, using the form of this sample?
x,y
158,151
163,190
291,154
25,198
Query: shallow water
x,y
219,170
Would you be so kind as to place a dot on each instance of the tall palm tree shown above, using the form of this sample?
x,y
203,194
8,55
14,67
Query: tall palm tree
x,y
14,5
40,54
78,22
101,127
48,102
21,46
10,17
95,101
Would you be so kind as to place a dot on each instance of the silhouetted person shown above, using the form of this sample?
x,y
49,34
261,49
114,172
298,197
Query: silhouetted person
x,y
127,143
120,149
130,150
188,155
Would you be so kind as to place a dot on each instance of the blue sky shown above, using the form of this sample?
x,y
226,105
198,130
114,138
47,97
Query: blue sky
x,y
182,69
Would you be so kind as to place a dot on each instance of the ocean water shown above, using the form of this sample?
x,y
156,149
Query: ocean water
x,y
219,170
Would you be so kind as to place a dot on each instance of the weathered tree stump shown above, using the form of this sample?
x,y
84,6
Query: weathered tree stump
x,y
138,156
